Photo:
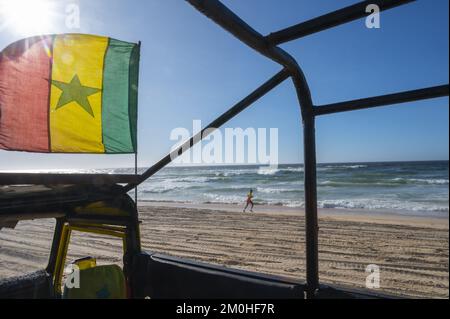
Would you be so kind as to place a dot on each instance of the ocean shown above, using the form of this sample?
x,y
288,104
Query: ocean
x,y
415,188
398,187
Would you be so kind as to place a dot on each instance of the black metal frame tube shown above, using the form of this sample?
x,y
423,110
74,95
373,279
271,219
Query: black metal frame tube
x,y
55,244
388,99
64,178
311,222
222,119
330,20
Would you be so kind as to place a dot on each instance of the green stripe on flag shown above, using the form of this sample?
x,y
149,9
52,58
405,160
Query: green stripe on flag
x,y
133,97
119,100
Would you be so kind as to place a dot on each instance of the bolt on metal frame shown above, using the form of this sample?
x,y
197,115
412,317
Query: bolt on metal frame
x,y
267,46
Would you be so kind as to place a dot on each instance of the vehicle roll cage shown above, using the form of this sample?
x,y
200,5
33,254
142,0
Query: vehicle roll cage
x,y
267,46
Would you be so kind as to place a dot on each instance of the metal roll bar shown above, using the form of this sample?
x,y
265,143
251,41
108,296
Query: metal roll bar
x,y
330,20
381,100
266,46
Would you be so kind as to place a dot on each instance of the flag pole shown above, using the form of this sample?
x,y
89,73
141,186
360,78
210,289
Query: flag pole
x,y
135,173
136,151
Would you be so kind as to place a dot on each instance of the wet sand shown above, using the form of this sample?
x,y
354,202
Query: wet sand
x,y
411,252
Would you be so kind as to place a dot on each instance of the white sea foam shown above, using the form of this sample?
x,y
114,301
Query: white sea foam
x,y
293,169
220,198
163,186
340,167
272,190
233,172
196,179
430,181
438,181
380,204
348,166
267,170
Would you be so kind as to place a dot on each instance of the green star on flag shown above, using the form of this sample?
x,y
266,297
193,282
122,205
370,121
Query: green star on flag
x,y
75,92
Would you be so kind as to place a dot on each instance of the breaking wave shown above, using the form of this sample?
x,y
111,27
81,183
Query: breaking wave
x,y
414,187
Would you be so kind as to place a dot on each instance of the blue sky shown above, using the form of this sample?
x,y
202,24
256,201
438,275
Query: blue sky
x,y
192,69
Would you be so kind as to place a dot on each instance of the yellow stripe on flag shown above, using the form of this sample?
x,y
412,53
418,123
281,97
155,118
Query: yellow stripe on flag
x,y
76,97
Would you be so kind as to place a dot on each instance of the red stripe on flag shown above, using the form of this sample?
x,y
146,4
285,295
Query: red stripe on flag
x,y
24,95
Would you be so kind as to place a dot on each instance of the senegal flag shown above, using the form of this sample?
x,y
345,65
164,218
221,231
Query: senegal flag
x,y
69,93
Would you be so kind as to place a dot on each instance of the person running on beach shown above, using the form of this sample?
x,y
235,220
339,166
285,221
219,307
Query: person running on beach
x,y
249,200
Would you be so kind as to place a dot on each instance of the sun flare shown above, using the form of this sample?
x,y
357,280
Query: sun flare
x,y
26,17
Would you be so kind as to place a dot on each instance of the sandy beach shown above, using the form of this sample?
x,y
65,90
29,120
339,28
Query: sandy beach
x,y
412,252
